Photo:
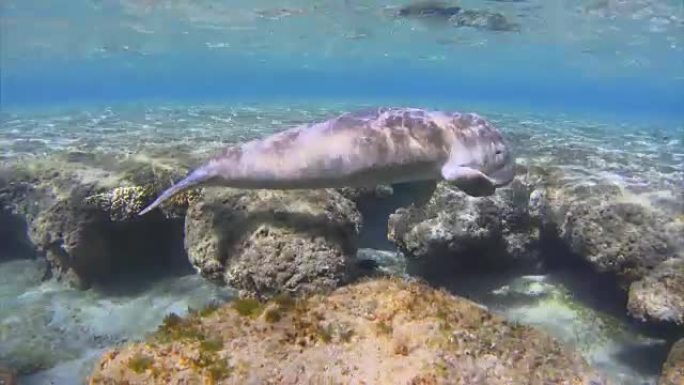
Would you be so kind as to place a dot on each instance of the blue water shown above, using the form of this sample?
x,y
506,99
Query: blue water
x,y
610,57
597,77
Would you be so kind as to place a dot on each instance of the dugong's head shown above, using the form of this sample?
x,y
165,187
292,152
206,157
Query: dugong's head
x,y
497,161
482,148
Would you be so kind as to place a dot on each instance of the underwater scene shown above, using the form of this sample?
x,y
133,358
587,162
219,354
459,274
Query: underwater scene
x,y
308,192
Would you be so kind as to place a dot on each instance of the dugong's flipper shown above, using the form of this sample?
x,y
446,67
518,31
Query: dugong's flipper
x,y
469,180
196,177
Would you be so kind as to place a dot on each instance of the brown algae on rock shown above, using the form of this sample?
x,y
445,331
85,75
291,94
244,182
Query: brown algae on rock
x,y
380,331
205,310
175,328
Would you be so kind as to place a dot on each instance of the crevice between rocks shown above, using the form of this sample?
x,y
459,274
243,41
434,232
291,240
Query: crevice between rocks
x,y
143,250
14,240
604,292
112,256
601,291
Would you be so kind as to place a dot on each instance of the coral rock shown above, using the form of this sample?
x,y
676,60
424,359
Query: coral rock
x,y
384,331
498,229
265,242
673,369
79,211
659,296
618,232
621,237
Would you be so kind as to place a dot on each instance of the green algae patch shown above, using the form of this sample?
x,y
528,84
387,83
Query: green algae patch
x,y
174,328
272,315
139,363
346,334
279,307
325,333
200,349
210,362
204,311
285,301
247,307
219,371
208,310
383,327
211,344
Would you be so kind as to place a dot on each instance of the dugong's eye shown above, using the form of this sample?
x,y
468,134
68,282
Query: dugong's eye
x,y
498,152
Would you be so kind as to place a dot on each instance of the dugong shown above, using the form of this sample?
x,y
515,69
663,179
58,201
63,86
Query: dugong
x,y
363,149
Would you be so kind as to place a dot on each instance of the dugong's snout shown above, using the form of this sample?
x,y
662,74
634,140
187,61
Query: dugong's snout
x,y
503,175
501,167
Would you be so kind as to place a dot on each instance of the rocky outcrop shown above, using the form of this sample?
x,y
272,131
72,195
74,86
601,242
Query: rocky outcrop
x,y
495,231
659,296
384,331
492,21
429,9
673,369
609,227
79,211
615,231
457,16
621,237
264,242
579,218
75,242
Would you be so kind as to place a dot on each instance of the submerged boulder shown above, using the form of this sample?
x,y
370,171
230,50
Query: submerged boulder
x,y
581,218
383,331
619,232
79,211
609,228
621,237
264,242
673,369
659,296
495,231
74,240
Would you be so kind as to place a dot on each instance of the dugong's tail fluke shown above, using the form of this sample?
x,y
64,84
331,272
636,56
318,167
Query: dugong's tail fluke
x,y
196,177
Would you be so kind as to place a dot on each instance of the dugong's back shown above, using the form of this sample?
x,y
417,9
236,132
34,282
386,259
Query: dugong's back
x,y
379,144
364,148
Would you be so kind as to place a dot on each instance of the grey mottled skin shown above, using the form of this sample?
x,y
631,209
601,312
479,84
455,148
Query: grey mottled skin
x,y
364,148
